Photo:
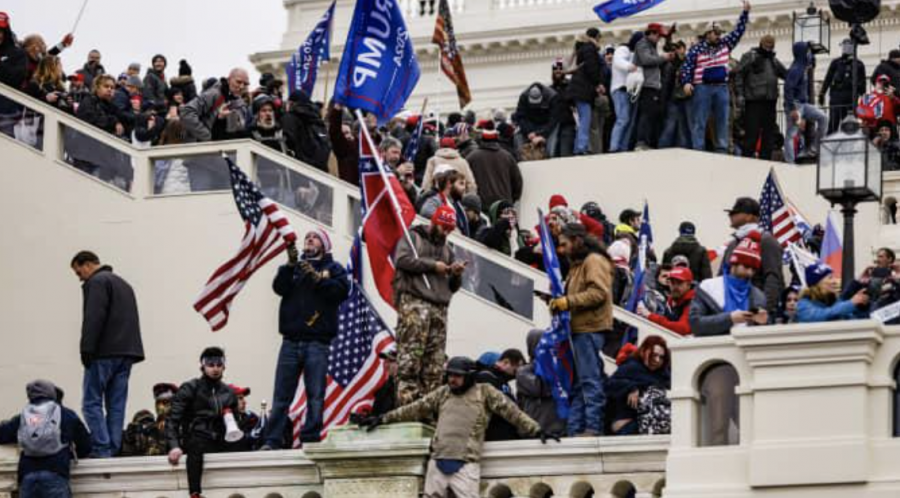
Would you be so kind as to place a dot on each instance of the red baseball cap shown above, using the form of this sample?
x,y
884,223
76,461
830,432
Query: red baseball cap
x,y
681,274
656,27
240,391
4,20
445,216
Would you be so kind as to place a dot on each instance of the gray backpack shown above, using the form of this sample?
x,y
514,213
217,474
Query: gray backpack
x,y
40,429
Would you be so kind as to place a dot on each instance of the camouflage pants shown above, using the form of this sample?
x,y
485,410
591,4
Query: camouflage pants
x,y
421,347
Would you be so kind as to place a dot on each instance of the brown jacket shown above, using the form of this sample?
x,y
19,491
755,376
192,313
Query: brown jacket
x,y
589,293
412,271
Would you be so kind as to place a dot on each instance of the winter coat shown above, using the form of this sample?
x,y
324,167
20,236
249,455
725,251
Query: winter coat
x,y
708,64
770,277
110,327
200,115
155,88
411,271
535,396
453,158
589,294
307,136
707,316
197,410
757,75
890,68
186,85
698,258
309,307
496,173
497,235
73,434
839,81
811,311
796,85
671,89
12,70
563,113
272,138
632,375
98,112
499,429
537,118
462,419
677,318
91,73
583,87
646,56
345,150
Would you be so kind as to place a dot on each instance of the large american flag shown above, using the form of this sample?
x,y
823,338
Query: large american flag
x,y
775,215
266,234
451,61
355,370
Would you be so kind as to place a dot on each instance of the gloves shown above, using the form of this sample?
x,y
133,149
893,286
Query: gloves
x,y
293,254
85,360
544,436
370,423
559,304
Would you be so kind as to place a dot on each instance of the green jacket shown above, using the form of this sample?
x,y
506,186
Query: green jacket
x,y
463,419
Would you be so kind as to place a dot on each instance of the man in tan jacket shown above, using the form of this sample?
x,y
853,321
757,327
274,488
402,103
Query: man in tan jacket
x,y
589,300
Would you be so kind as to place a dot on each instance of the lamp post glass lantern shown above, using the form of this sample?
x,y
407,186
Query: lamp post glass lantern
x,y
849,172
813,27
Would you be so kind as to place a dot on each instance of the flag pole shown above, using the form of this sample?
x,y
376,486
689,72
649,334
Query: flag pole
x,y
78,19
387,186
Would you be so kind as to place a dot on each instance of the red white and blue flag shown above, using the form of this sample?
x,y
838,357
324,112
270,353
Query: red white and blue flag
x,y
303,68
266,234
775,214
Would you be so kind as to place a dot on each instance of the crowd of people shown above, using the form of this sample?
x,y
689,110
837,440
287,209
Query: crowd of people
x,y
462,174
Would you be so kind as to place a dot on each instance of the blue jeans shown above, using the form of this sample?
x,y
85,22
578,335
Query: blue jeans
x,y
44,484
106,385
809,114
676,130
310,359
583,134
710,100
620,132
588,393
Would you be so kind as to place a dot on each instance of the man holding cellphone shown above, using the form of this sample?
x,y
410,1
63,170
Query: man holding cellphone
x,y
427,276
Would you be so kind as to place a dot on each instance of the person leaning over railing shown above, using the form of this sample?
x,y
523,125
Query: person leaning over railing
x,y
820,303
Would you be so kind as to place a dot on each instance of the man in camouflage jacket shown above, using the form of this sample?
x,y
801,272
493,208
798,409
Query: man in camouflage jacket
x,y
463,410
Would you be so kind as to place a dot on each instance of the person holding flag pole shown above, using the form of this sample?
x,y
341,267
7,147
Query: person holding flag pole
x,y
588,298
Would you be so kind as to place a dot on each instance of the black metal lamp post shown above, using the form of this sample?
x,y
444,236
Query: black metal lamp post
x,y
849,172
813,27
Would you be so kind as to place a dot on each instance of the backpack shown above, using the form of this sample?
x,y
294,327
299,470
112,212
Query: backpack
x,y
871,106
40,429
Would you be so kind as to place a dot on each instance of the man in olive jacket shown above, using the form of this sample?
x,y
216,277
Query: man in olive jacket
x,y
589,300
110,344
427,276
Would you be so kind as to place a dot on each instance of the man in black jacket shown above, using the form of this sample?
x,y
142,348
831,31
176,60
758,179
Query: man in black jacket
x,y
47,475
585,85
838,85
535,115
12,73
305,131
562,141
756,86
688,246
499,375
311,289
110,345
196,423
891,68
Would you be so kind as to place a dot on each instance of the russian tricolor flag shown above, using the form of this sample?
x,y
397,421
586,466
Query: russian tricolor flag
x,y
832,252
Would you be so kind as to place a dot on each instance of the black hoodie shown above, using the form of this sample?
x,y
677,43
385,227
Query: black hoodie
x,y
13,64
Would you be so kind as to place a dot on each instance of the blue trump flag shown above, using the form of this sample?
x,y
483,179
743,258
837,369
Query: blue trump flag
x,y
412,148
614,9
303,68
379,68
553,357
645,241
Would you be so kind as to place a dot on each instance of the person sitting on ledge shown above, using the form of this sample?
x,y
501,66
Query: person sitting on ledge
x,y
638,387
462,409
819,301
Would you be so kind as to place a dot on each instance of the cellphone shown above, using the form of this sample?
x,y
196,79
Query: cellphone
x,y
754,310
542,295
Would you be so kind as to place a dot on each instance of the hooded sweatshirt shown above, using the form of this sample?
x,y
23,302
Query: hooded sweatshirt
x,y
796,85
453,158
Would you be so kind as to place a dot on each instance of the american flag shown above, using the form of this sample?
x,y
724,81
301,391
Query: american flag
x,y
355,370
266,234
775,215
451,60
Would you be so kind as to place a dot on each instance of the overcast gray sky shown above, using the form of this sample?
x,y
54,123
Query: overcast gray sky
x,y
213,35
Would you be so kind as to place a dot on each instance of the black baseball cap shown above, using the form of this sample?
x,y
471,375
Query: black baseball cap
x,y
744,205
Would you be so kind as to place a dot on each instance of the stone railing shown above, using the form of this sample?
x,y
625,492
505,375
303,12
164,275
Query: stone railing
x,y
387,463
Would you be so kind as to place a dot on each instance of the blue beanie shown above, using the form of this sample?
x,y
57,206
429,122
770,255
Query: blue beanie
x,y
816,273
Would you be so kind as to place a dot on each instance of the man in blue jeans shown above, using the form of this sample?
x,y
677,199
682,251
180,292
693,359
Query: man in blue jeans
x,y
312,289
46,456
589,300
110,345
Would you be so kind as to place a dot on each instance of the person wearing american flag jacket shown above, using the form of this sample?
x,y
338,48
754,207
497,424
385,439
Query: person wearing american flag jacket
x,y
704,76
312,288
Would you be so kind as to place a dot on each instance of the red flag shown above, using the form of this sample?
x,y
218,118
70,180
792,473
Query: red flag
x,y
451,60
387,213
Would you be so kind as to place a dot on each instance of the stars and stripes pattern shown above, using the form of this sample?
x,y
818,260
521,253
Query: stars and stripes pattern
x,y
266,234
355,369
775,215
451,60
